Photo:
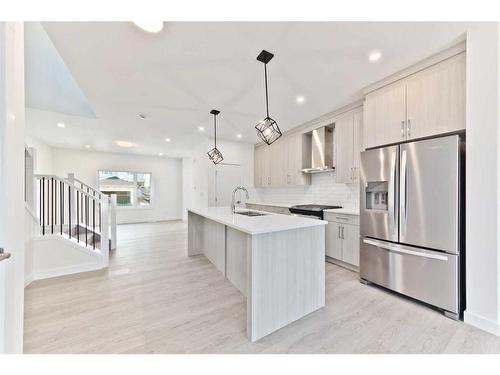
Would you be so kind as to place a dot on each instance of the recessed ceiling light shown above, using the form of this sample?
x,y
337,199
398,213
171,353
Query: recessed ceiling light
x,y
150,26
167,139
61,125
160,154
238,135
142,116
374,56
201,128
300,99
125,144
86,146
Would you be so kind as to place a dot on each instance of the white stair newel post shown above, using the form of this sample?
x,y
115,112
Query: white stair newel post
x,y
113,221
104,246
72,200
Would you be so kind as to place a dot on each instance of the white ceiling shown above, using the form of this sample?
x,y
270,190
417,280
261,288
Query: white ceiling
x,y
51,84
177,76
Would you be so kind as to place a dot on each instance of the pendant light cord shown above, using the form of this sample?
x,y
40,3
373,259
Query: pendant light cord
x,y
267,99
215,130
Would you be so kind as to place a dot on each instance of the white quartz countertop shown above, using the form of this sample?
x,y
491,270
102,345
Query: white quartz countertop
x,y
344,210
256,224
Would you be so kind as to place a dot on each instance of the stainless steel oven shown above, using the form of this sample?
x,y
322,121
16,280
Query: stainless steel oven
x,y
311,211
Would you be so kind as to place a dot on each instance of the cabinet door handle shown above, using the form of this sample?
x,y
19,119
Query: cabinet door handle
x,y
343,233
408,128
402,129
338,234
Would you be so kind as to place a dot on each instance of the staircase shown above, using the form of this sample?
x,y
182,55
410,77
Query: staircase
x,y
77,226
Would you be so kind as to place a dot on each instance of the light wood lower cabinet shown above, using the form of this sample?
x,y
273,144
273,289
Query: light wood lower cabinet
x,y
350,245
342,238
333,245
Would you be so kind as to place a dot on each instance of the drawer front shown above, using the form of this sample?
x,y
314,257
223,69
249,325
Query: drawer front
x,y
341,218
428,276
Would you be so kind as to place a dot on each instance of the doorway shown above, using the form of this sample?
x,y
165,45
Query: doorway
x,y
224,177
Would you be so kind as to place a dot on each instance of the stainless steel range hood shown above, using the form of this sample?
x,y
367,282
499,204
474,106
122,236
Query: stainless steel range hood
x,y
321,150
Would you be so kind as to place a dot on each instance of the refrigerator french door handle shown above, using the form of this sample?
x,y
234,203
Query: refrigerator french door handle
x,y
403,194
392,196
403,250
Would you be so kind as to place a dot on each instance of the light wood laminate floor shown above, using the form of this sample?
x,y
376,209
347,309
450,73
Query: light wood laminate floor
x,y
154,299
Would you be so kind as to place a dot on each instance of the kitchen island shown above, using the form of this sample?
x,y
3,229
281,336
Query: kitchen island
x,y
276,261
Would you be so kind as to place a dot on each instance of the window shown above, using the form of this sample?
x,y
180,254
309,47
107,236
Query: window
x,y
131,188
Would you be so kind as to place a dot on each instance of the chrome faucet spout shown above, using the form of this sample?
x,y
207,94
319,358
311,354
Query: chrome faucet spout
x,y
233,205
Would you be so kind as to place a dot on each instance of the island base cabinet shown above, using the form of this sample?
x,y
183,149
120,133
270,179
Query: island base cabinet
x,y
286,278
237,247
207,237
281,273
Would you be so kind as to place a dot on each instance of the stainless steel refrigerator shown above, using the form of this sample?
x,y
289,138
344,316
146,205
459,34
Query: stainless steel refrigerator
x,y
412,220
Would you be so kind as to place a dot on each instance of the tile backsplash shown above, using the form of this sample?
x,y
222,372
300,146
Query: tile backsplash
x,y
323,190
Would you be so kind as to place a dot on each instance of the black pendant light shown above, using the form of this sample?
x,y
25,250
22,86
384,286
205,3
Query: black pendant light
x,y
267,129
214,154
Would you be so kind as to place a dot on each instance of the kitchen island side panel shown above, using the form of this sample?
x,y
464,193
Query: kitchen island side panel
x,y
207,237
285,278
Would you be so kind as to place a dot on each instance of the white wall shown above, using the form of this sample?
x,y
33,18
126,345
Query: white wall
x,y
166,179
12,123
187,185
323,190
43,155
202,169
55,256
31,231
482,181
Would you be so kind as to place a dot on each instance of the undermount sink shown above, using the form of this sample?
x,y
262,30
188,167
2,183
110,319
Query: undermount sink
x,y
250,213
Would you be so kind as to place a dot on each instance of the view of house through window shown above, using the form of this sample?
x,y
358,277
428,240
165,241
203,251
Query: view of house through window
x,y
131,188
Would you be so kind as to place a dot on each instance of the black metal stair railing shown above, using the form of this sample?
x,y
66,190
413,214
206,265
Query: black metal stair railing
x,y
66,209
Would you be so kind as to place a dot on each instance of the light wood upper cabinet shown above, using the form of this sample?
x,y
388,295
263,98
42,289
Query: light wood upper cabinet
x,y
257,167
262,172
426,103
297,153
344,148
348,128
357,142
436,99
385,115
280,164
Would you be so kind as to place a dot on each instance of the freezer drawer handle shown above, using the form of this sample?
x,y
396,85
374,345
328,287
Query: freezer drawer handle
x,y
399,249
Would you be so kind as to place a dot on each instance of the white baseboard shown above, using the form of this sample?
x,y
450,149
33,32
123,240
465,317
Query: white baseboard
x,y
28,279
482,323
61,271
